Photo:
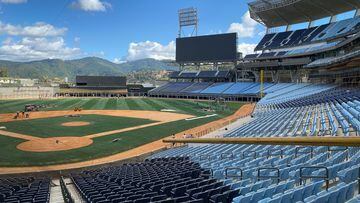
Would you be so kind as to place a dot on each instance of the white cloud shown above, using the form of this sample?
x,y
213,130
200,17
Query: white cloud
x,y
13,1
150,49
91,5
246,28
118,61
29,48
39,29
77,39
246,48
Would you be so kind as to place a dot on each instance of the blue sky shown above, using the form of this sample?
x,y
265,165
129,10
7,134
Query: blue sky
x,y
107,28
118,30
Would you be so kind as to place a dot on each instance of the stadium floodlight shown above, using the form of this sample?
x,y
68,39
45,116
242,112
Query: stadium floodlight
x,y
188,17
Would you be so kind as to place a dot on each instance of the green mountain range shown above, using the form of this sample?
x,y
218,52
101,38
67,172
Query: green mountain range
x,y
56,68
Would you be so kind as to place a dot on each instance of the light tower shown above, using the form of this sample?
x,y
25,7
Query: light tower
x,y
188,17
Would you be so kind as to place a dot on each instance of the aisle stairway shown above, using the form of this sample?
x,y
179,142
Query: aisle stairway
x,y
55,191
73,191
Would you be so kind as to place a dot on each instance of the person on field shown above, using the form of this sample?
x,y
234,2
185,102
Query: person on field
x,y
173,137
17,115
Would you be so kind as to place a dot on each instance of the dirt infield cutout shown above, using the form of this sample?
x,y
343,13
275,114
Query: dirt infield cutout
x,y
54,144
75,124
37,144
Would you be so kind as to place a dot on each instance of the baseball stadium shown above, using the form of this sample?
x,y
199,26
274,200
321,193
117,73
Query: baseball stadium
x,y
278,125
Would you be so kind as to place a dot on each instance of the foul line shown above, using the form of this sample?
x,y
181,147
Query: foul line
x,y
200,117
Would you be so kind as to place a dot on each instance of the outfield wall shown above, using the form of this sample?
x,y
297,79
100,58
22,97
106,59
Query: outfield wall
x,y
27,92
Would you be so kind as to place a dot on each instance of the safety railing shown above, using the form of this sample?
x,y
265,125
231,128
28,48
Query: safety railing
x,y
204,157
359,181
338,149
249,153
276,176
236,176
65,192
305,177
297,152
227,155
270,153
208,172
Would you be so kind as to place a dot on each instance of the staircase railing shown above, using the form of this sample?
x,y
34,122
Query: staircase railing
x,y
276,176
325,177
227,175
65,192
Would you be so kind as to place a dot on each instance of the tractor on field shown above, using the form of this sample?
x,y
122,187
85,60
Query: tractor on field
x,y
31,107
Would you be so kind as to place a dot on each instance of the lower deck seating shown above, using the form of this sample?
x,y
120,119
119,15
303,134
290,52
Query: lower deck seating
x,y
26,189
272,173
155,180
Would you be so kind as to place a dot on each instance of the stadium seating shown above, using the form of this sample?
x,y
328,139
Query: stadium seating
x,y
272,173
156,180
199,74
311,35
24,189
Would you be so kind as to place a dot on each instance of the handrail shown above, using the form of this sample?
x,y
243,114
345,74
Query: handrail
x,y
297,141
326,177
298,148
269,154
208,156
249,153
65,192
338,150
208,175
227,155
259,176
359,181
234,176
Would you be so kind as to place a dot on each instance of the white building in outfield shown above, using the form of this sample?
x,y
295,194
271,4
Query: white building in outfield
x,y
25,82
28,92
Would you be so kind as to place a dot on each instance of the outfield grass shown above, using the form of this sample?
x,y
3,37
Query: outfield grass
x,y
51,127
102,146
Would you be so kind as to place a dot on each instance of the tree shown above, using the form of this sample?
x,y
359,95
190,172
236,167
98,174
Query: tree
x,y
4,72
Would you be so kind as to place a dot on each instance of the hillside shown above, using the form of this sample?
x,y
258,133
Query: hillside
x,y
55,68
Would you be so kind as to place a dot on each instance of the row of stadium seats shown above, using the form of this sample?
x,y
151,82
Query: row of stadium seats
x,y
309,35
272,173
238,88
155,180
199,74
292,51
333,60
24,189
333,112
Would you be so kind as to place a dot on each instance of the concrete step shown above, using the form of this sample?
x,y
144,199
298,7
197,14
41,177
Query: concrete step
x,y
73,191
55,192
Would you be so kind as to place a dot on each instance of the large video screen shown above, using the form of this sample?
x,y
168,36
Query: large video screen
x,y
210,48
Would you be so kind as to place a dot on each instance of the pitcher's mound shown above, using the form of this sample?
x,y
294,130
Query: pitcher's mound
x,y
54,144
75,124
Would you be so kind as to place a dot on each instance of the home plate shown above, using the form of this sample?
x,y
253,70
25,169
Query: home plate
x,y
200,117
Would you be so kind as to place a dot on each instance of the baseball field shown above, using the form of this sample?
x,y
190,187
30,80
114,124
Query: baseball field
x,y
57,134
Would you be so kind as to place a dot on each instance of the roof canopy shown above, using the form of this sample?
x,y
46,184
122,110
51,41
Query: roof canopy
x,y
275,13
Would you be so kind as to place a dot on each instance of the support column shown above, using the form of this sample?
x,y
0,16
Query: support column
x,y
275,76
311,24
333,19
256,74
357,13
288,27
294,76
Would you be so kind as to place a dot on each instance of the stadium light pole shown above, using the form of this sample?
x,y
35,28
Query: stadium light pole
x,y
188,17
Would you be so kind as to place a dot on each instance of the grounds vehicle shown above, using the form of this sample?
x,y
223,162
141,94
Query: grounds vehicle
x,y
31,107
